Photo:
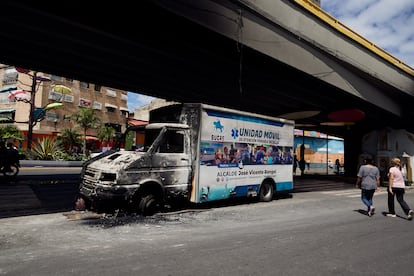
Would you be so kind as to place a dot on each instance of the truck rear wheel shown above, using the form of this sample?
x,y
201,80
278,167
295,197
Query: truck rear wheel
x,y
266,192
148,205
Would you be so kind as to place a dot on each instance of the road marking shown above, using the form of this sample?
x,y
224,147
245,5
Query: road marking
x,y
346,193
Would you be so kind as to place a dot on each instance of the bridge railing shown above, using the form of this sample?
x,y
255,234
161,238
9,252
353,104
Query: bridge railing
x,y
335,23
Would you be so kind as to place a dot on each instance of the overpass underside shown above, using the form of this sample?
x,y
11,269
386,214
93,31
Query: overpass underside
x,y
268,57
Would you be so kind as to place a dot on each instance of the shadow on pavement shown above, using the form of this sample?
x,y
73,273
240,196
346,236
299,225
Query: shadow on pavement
x,y
40,194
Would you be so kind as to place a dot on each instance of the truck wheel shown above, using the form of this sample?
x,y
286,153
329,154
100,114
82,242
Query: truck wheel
x,y
148,205
266,192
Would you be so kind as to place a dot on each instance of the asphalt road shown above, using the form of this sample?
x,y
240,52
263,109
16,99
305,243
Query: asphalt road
x,y
323,232
40,190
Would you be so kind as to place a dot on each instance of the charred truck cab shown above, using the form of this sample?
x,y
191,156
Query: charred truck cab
x,y
196,153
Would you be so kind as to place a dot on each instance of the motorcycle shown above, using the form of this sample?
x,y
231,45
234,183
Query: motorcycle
x,y
10,171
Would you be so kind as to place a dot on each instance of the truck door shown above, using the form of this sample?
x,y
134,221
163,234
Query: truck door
x,y
172,160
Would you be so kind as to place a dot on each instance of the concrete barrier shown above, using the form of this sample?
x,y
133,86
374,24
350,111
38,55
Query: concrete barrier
x,y
50,163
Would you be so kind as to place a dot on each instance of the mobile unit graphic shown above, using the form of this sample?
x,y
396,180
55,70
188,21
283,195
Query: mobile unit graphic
x,y
193,152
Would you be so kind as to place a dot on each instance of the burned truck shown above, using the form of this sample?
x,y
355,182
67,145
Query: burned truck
x,y
193,153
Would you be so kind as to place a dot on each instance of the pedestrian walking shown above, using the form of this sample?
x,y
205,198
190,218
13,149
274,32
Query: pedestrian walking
x,y
368,180
337,166
396,187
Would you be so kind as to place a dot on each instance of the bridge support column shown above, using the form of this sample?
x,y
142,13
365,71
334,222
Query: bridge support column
x,y
352,150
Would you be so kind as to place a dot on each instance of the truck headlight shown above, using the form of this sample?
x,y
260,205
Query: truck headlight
x,y
108,177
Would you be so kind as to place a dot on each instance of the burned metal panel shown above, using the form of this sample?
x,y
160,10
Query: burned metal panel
x,y
191,116
172,169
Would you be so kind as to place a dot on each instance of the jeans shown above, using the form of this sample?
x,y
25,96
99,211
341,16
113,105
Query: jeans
x,y
399,193
366,197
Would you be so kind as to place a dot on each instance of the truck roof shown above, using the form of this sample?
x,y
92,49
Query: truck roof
x,y
171,125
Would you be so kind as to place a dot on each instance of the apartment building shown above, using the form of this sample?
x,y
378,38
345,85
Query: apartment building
x,y
110,104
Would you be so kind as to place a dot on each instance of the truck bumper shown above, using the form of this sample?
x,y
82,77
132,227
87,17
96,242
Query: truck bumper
x,y
103,197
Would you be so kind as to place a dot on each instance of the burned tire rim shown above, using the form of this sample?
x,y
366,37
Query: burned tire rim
x,y
148,205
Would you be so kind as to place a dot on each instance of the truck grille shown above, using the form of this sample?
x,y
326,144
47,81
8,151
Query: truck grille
x,y
92,176
89,179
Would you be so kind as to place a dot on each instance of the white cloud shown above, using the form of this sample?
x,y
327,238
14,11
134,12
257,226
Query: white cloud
x,y
136,100
386,23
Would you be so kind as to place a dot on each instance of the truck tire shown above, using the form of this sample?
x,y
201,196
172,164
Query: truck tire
x,y
266,192
148,205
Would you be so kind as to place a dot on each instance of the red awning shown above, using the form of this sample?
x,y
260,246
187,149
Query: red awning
x,y
137,122
92,138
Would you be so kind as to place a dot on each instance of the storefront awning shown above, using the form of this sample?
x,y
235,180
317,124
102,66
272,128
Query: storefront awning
x,y
137,122
88,137
111,106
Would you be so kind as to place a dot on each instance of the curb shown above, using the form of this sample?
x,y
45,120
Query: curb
x,y
50,163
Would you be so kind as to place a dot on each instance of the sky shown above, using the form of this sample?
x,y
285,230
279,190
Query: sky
x,y
135,101
389,24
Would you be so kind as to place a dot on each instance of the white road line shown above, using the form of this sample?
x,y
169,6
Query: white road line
x,y
343,193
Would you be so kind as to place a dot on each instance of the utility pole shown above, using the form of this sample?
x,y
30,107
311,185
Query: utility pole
x,y
31,112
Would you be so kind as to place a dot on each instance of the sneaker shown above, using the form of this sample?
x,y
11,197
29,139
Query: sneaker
x,y
391,215
410,215
371,211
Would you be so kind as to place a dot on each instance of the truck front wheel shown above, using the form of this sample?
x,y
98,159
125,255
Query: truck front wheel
x,y
148,205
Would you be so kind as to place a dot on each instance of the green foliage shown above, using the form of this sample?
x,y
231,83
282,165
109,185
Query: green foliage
x,y
129,140
47,149
86,119
68,139
106,133
10,132
62,155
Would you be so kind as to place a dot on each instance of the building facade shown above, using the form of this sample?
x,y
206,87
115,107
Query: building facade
x,y
110,104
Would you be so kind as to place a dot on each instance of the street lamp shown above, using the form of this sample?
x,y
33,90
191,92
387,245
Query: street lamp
x,y
35,114
21,95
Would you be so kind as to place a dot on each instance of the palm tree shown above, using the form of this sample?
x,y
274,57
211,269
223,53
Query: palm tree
x,y
86,119
69,138
106,133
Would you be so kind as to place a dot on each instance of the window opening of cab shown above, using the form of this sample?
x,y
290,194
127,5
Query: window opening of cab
x,y
150,136
173,142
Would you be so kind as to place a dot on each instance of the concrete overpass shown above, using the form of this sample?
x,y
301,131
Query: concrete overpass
x,y
280,58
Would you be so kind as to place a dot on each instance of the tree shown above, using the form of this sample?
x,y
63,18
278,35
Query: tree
x,y
106,134
86,119
69,138
10,132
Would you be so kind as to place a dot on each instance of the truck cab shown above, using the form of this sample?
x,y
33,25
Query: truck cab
x,y
140,179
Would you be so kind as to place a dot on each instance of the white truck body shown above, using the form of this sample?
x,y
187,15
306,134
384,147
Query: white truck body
x,y
181,160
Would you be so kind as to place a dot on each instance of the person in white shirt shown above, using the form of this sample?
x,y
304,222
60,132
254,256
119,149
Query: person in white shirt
x,y
396,187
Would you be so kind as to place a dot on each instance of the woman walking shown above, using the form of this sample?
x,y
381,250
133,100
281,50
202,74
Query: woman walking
x,y
368,180
396,187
